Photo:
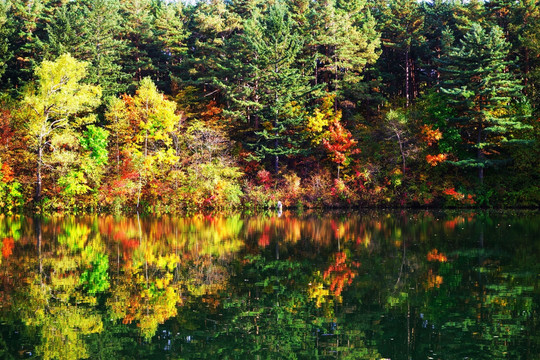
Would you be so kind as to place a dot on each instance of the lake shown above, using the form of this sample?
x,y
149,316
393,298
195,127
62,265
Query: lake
x,y
360,285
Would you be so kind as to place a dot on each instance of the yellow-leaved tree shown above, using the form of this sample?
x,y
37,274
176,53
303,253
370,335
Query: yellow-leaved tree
x,y
143,124
56,103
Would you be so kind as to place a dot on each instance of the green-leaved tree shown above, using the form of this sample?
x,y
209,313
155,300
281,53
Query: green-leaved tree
x,y
486,95
281,88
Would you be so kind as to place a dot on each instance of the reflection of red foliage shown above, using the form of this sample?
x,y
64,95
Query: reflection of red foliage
x,y
264,240
7,248
434,255
341,273
130,243
334,227
120,235
450,224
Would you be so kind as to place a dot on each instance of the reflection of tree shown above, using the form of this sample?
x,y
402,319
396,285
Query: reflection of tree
x,y
144,291
63,325
463,303
267,312
55,301
340,273
164,258
101,287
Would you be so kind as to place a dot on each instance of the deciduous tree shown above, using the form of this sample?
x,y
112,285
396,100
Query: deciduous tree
x,y
54,105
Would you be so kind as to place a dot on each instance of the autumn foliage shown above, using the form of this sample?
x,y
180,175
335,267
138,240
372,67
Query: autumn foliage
x,y
341,273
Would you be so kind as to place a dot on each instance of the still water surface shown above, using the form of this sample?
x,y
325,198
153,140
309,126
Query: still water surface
x,y
368,285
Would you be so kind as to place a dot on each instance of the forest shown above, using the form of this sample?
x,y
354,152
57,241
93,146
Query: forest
x,y
163,106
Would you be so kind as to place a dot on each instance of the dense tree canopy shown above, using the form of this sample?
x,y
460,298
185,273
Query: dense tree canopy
x,y
403,97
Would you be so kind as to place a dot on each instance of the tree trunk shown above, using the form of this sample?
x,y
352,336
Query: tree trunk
x,y
38,172
145,144
526,71
276,159
480,157
276,140
336,84
407,75
316,72
481,174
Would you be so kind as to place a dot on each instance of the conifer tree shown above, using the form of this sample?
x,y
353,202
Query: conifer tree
x,y
525,36
6,31
438,18
103,46
467,13
26,17
484,92
143,57
211,26
344,41
171,32
274,45
402,23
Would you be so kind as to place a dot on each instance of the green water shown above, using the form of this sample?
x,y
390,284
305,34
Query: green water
x,y
364,285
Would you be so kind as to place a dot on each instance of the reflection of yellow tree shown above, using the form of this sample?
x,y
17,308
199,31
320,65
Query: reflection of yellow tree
x,y
148,302
145,292
207,243
63,324
203,235
148,289
55,299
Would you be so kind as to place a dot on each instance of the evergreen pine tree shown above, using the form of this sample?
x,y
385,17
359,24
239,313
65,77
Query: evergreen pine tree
x,y
87,29
343,41
438,18
402,23
467,13
484,92
282,89
171,32
6,31
103,46
26,17
211,26
525,36
143,57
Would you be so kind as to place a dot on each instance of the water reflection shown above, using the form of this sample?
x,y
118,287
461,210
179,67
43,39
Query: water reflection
x,y
372,285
